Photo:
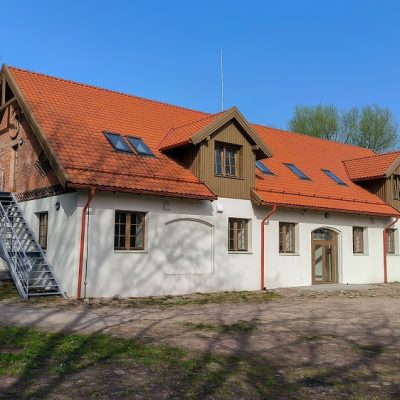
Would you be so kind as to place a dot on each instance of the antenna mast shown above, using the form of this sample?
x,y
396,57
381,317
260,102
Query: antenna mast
x,y
222,82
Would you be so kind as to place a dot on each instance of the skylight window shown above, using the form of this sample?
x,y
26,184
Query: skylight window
x,y
118,142
298,172
264,169
140,146
334,177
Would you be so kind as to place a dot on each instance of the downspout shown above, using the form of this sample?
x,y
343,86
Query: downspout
x,y
385,248
82,248
266,219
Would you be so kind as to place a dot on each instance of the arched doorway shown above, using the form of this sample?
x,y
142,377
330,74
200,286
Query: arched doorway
x,y
324,248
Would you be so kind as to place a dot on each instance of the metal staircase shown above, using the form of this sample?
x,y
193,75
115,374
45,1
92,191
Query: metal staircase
x,y
32,274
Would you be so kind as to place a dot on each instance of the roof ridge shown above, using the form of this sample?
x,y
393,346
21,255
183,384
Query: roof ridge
x,y
309,136
106,90
375,155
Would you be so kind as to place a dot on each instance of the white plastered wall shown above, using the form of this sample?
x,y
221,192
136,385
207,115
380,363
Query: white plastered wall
x,y
187,246
63,234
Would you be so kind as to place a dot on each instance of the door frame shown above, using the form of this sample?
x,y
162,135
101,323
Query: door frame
x,y
335,243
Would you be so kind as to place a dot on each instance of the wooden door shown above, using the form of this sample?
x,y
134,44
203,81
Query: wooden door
x,y
324,256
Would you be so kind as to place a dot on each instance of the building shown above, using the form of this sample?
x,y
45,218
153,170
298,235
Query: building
x,y
134,197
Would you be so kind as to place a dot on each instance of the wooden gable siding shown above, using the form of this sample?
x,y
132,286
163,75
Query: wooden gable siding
x,y
202,163
383,188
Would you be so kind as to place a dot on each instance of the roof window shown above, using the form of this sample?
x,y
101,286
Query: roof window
x,y
264,169
333,177
298,172
118,142
140,146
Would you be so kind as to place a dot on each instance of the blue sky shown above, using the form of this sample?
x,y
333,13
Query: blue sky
x,y
276,53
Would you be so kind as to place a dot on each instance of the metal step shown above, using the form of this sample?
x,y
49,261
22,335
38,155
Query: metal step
x,y
30,270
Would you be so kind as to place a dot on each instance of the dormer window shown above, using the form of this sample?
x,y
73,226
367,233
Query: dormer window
x,y
396,187
226,160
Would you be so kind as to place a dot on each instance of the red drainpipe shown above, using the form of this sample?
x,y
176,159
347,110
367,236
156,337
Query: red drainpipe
x,y
262,245
82,249
385,248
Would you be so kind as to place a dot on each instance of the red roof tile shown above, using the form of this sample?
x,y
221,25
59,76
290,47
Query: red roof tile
x,y
74,116
371,167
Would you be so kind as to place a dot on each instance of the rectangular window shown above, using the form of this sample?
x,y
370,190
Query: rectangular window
x,y
287,237
358,240
118,142
263,168
238,234
333,177
129,230
391,242
226,160
43,228
140,146
396,187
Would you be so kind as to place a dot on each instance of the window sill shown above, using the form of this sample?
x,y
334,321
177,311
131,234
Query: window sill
x,y
229,177
289,254
393,254
239,252
131,251
360,254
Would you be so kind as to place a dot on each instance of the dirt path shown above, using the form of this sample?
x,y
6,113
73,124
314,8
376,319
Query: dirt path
x,y
318,338
295,324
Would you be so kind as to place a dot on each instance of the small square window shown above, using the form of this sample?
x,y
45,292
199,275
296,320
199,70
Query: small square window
x,y
287,237
238,234
118,142
129,230
140,146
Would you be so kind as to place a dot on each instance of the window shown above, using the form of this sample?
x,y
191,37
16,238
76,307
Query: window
x,y
129,230
391,242
118,142
298,172
287,237
140,146
358,240
265,170
43,228
333,177
238,234
225,160
396,187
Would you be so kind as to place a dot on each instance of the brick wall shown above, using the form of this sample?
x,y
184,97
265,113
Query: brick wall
x,y
24,168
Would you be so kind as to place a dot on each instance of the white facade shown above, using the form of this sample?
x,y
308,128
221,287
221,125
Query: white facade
x,y
186,246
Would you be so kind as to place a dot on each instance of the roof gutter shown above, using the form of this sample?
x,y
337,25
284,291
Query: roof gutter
x,y
385,248
82,246
263,222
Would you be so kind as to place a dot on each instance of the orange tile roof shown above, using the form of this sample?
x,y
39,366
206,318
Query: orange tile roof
x,y
312,155
371,167
74,116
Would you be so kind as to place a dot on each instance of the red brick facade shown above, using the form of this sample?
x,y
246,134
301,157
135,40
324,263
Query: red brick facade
x,y
24,167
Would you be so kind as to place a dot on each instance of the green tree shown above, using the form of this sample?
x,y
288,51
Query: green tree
x,y
319,121
372,127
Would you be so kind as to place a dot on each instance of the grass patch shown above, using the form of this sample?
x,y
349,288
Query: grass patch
x,y
8,291
238,327
204,298
371,349
44,363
